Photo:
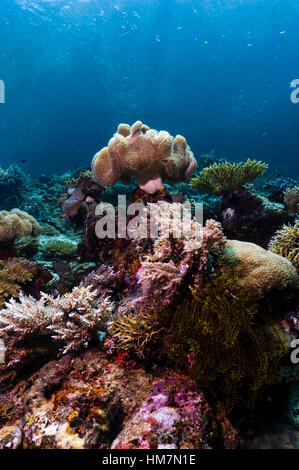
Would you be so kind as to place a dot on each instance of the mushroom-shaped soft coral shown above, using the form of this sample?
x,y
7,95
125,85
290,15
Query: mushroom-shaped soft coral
x,y
145,153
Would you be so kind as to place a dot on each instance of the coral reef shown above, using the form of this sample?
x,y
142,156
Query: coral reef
x,y
161,339
260,270
276,188
145,153
220,178
286,243
88,402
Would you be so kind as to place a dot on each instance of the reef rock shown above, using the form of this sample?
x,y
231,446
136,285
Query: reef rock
x,y
174,416
145,153
260,270
94,400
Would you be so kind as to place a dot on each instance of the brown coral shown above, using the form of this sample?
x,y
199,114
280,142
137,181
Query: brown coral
x,y
15,224
260,270
145,153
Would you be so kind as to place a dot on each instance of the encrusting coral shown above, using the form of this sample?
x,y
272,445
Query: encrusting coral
x,y
15,224
260,270
145,153
223,177
286,243
59,248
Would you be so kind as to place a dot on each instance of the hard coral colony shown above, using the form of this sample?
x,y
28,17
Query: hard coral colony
x,y
156,342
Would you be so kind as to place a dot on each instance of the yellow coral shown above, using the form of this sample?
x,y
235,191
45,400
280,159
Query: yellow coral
x,y
260,270
12,277
286,243
16,224
145,153
222,177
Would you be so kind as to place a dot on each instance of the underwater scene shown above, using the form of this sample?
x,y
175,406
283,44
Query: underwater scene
x,y
149,225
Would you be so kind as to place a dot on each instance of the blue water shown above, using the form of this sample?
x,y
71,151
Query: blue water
x,y
217,72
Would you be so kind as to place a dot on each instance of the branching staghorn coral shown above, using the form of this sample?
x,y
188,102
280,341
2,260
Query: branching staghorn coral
x,y
73,319
286,243
15,224
225,177
291,200
145,153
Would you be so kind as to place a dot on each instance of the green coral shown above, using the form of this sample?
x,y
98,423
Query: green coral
x,y
12,279
58,248
223,177
286,243
233,350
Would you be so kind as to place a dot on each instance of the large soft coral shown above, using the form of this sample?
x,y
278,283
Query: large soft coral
x,y
145,153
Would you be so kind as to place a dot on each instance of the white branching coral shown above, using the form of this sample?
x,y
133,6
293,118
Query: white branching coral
x,y
72,319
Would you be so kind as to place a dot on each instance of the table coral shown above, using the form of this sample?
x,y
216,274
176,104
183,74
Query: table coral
x,y
224,177
145,153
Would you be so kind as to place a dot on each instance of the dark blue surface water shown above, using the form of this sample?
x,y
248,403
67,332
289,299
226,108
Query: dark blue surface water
x,y
217,72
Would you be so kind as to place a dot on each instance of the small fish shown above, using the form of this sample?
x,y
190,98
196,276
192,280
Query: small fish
x,y
23,161
124,34
282,32
179,28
